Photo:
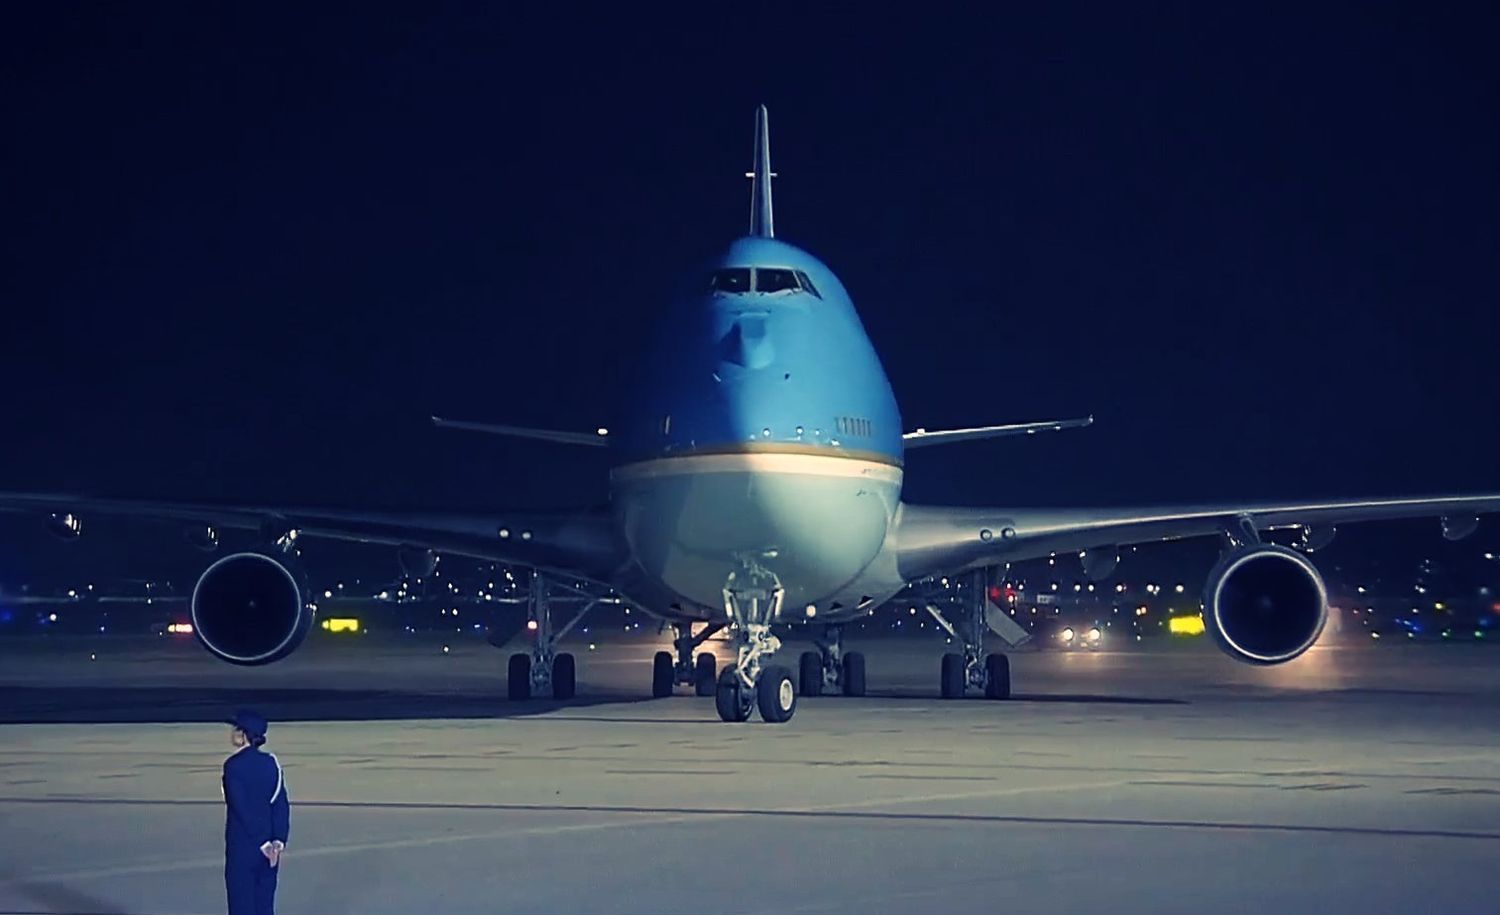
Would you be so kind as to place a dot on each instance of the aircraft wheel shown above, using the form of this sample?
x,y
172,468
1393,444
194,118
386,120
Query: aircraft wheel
x,y
731,699
776,695
810,669
953,676
705,673
663,675
854,674
564,676
518,679
997,677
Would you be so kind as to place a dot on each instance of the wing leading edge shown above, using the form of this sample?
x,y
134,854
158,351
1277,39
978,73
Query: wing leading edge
x,y
935,539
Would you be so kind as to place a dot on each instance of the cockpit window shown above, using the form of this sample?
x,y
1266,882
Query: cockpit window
x,y
761,279
734,279
775,279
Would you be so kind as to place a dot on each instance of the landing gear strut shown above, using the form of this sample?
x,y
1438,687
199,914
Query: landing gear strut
x,y
752,601
829,669
988,673
544,669
699,672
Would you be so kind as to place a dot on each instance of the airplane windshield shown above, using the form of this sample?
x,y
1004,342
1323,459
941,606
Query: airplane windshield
x,y
775,279
734,279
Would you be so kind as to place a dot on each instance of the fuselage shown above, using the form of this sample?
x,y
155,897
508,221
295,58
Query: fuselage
x,y
763,440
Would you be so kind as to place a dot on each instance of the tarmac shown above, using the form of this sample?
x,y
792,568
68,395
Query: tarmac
x,y
1143,778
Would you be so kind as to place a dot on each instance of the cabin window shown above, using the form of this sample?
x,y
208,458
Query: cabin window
x,y
775,279
733,279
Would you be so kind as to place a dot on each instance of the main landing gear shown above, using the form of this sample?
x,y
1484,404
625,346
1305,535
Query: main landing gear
x,y
829,669
700,672
751,682
545,669
985,673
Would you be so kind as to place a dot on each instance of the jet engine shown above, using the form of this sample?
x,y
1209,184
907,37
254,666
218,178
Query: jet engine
x,y
249,608
1264,604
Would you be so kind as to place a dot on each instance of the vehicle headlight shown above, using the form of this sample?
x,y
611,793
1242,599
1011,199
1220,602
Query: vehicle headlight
x,y
1095,635
1068,634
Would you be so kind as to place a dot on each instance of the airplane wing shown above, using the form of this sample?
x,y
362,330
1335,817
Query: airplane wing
x,y
938,540
579,542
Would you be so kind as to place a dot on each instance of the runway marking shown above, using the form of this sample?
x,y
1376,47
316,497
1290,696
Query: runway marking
x,y
641,816
654,816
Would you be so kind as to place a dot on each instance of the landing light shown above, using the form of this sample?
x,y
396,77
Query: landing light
x,y
1095,635
812,610
180,628
1068,634
531,625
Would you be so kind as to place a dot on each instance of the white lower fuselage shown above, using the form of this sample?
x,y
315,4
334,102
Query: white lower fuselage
x,y
815,524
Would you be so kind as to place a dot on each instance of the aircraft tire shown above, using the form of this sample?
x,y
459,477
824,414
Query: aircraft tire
x,y
518,678
564,676
854,674
776,694
663,675
810,671
732,701
705,674
997,677
953,676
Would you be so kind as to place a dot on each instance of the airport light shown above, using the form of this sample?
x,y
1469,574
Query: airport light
x,y
1186,625
1180,588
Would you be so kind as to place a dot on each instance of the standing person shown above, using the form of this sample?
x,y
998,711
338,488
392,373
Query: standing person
x,y
257,818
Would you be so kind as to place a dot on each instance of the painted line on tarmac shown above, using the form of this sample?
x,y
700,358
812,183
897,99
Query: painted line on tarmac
x,y
642,817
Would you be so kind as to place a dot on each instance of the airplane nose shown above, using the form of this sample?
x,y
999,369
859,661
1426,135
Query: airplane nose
x,y
748,342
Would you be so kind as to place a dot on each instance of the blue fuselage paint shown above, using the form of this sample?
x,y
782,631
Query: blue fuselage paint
x,y
763,434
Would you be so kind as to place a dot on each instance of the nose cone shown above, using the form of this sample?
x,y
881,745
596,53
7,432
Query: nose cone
x,y
748,342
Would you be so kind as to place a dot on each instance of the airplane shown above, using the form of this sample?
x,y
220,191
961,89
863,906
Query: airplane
x,y
756,485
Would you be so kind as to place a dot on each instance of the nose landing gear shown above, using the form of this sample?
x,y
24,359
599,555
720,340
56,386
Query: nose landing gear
x,y
751,682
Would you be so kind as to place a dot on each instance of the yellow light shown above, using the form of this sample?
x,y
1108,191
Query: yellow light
x,y
1185,625
341,624
180,628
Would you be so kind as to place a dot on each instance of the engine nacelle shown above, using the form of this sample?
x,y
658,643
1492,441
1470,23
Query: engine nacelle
x,y
248,608
1264,604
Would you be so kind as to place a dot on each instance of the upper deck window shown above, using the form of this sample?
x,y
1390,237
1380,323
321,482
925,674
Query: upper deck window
x,y
733,279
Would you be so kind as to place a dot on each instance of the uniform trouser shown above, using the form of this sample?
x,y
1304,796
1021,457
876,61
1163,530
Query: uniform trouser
x,y
250,881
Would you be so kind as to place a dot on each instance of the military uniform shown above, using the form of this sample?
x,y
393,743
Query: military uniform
x,y
258,814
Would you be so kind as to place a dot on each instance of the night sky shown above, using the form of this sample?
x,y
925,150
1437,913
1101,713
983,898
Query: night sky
x,y
248,251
